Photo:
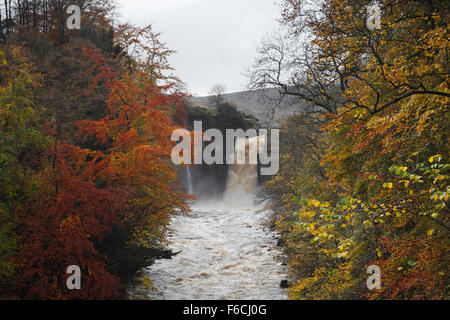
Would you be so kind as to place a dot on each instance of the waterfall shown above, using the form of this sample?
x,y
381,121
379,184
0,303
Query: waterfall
x,y
189,180
243,178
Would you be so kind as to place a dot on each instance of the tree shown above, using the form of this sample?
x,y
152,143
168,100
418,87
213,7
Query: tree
x,y
381,100
20,151
340,58
135,134
216,94
86,175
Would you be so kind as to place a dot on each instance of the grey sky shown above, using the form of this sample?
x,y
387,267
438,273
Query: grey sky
x,y
215,39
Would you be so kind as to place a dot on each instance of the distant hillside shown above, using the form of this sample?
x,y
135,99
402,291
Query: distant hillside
x,y
267,105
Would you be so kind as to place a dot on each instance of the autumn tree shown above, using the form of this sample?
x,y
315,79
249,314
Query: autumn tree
x,y
136,132
381,99
21,146
86,160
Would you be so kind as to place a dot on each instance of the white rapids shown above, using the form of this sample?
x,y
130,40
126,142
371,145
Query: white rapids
x,y
226,254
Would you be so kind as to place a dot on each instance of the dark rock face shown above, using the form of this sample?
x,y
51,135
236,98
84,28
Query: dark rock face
x,y
284,284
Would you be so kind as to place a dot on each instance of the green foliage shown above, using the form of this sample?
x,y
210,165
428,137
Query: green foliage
x,y
20,147
224,116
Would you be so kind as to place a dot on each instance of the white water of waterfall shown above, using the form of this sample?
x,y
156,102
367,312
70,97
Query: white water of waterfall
x,y
242,178
225,252
189,180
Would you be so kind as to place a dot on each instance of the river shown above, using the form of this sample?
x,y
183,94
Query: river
x,y
225,253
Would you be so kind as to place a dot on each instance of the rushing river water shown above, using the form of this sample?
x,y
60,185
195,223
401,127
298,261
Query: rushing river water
x,y
226,253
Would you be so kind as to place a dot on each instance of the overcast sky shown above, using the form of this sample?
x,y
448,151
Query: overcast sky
x,y
215,40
